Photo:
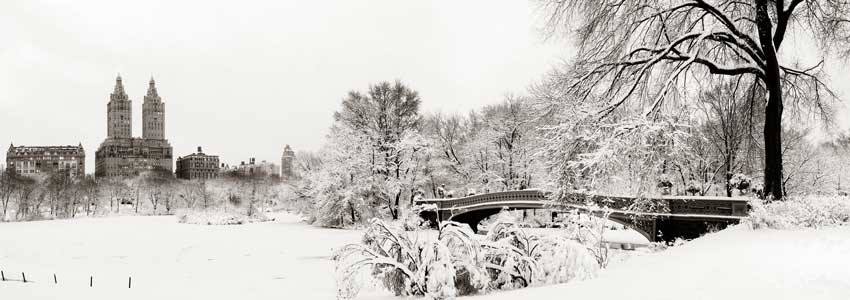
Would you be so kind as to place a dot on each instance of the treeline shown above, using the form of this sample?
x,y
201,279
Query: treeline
x,y
382,152
156,192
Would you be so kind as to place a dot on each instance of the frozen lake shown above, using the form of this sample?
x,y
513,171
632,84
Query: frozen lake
x,y
168,259
284,258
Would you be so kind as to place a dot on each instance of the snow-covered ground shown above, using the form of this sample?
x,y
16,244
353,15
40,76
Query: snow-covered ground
x,y
287,259
167,260
736,263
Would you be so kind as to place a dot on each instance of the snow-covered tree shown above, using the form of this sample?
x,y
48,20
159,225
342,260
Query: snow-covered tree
x,y
646,54
617,156
493,149
338,187
374,152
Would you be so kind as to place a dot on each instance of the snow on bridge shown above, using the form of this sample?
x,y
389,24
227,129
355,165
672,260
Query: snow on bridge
x,y
657,218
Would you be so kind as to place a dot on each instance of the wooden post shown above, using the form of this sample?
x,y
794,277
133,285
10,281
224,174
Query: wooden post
x,y
54,279
3,276
24,276
130,282
91,281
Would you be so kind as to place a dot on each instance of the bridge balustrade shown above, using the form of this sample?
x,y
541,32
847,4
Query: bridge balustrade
x,y
668,204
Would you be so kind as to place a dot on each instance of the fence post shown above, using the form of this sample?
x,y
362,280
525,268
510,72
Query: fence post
x,y
91,281
3,276
54,279
24,276
130,282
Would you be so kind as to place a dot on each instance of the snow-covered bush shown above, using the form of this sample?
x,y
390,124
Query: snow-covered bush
x,y
405,266
516,259
588,231
757,188
511,255
219,217
741,182
561,259
471,274
693,187
799,212
413,219
455,263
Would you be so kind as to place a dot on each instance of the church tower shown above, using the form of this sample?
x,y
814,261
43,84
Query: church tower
x,y
153,114
119,122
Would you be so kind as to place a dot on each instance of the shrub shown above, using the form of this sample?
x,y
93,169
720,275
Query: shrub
x,y
740,182
456,264
413,219
800,212
405,267
511,256
589,230
218,217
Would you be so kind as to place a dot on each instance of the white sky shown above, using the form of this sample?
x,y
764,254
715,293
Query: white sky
x,y
244,80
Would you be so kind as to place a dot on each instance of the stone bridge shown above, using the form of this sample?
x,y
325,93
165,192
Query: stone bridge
x,y
663,218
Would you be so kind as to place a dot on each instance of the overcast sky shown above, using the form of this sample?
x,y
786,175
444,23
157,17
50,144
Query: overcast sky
x,y
244,80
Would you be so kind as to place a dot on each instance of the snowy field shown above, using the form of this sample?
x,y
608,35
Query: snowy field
x,y
168,260
287,259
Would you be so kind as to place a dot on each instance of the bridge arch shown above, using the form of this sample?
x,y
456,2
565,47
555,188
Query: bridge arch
x,y
472,216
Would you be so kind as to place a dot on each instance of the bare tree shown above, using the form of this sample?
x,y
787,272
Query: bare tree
x,y
158,184
58,186
90,189
647,50
728,108
116,190
7,188
28,202
451,134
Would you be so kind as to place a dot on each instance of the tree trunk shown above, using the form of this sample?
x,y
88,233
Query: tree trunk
x,y
728,175
394,209
773,111
353,216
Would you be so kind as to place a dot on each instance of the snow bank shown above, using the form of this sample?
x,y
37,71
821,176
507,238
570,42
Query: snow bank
x,y
737,263
217,217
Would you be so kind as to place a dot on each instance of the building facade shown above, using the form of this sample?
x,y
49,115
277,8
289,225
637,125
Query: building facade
x,y
252,168
32,160
197,166
286,164
121,154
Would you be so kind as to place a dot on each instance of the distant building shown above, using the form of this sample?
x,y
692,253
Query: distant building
x,y
197,166
251,168
31,160
286,164
123,155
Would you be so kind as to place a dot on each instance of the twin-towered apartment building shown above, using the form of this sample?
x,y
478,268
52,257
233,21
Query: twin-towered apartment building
x,y
121,154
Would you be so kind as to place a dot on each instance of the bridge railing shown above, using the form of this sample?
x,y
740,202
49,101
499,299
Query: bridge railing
x,y
732,206
447,203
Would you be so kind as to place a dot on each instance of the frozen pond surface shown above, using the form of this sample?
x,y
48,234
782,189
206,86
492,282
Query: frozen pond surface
x,y
168,260
287,259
